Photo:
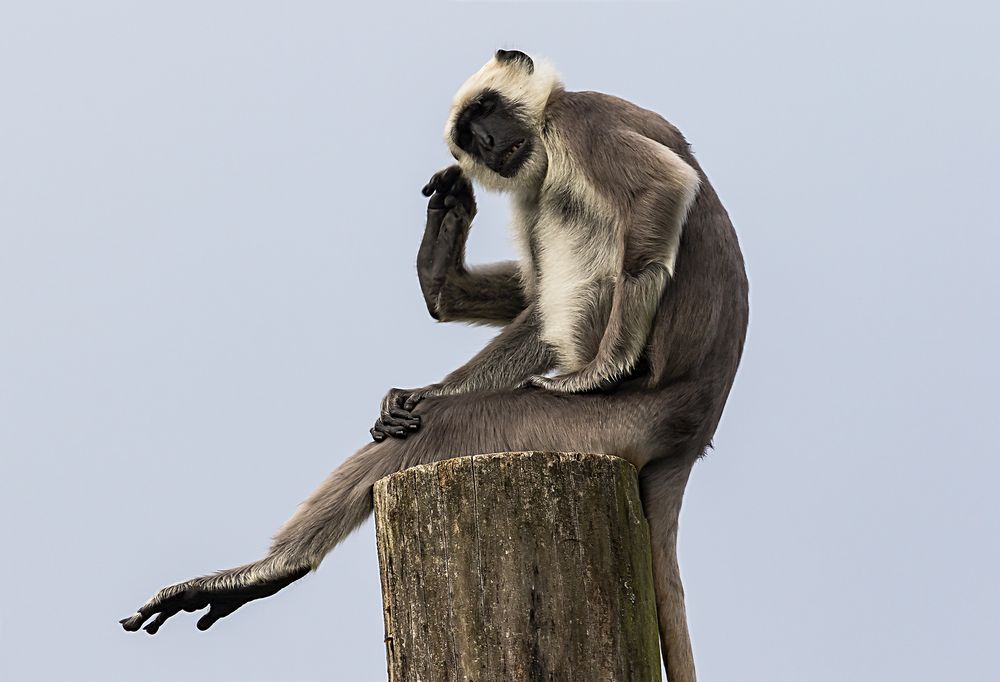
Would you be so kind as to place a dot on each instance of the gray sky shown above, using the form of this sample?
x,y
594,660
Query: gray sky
x,y
209,214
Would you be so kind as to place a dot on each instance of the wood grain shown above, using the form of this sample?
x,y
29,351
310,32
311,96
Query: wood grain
x,y
516,566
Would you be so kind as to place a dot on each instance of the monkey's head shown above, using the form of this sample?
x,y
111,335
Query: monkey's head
x,y
495,126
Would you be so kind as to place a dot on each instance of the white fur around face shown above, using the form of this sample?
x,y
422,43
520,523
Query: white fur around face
x,y
512,80
530,91
568,261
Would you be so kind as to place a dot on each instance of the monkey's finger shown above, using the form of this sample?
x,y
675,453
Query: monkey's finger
x,y
438,201
377,435
462,188
432,184
441,180
216,612
446,178
160,619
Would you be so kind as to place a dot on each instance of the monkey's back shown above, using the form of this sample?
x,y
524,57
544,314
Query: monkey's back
x,y
697,338
701,322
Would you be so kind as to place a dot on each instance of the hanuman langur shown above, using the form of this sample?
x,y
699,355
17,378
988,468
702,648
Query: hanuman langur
x,y
623,324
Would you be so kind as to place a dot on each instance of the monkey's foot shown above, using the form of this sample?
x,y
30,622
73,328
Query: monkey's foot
x,y
573,382
397,423
396,418
223,593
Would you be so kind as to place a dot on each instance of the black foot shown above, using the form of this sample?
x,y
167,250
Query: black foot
x,y
222,593
397,419
398,424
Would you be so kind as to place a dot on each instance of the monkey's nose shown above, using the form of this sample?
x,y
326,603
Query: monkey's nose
x,y
484,139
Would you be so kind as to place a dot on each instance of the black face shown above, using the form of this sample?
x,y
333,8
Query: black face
x,y
492,130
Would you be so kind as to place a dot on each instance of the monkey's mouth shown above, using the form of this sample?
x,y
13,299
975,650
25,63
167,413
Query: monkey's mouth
x,y
511,159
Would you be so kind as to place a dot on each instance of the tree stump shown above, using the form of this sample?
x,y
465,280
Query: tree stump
x,y
517,566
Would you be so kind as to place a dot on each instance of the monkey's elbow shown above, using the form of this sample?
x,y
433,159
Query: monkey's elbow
x,y
440,314
436,308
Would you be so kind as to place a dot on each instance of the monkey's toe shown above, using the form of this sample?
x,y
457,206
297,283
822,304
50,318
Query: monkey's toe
x,y
217,611
133,622
402,417
399,430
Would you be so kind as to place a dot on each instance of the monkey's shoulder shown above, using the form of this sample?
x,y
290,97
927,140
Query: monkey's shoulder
x,y
592,119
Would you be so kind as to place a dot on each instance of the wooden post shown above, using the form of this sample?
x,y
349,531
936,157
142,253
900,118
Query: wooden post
x,y
517,566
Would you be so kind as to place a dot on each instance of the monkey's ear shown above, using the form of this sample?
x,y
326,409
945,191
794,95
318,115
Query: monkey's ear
x,y
515,56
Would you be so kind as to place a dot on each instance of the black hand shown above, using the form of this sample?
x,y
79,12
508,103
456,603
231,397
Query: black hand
x,y
450,210
450,181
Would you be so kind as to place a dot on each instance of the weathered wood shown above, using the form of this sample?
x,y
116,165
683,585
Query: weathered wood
x,y
517,566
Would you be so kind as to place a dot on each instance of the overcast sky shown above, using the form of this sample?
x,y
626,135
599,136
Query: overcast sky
x,y
209,214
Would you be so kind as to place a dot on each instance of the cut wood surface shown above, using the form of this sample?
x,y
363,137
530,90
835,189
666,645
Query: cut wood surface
x,y
517,566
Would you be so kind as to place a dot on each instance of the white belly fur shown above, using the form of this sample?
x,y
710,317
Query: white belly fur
x,y
571,272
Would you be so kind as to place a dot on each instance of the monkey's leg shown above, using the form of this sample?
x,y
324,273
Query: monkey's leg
x,y
469,424
662,485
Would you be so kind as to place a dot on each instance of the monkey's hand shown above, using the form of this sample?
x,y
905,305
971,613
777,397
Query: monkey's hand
x,y
450,210
223,592
396,418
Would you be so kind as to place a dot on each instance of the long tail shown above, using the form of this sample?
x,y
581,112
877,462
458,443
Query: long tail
x,y
662,483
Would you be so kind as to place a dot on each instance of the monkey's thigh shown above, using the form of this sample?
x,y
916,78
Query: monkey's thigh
x,y
526,419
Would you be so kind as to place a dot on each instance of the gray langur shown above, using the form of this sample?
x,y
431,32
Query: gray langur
x,y
623,324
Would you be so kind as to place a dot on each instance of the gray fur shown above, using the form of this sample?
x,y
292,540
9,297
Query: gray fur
x,y
453,291
656,343
485,294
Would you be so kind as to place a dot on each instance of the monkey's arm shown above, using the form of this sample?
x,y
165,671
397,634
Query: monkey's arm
x,y
513,355
507,361
654,220
634,303
488,294
484,294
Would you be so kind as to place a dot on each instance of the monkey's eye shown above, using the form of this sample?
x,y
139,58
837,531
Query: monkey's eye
x,y
485,106
463,137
